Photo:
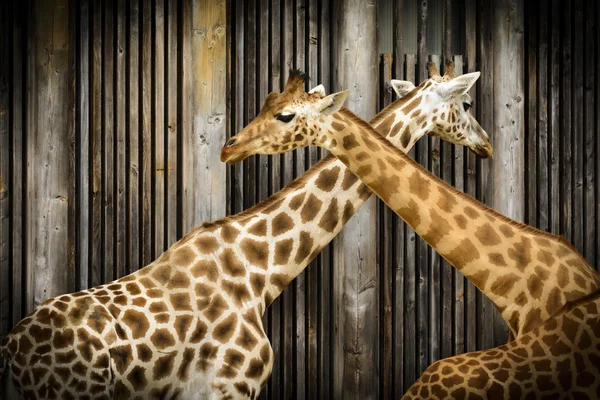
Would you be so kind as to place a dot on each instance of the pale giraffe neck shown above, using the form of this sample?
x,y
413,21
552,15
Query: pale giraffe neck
x,y
301,219
528,274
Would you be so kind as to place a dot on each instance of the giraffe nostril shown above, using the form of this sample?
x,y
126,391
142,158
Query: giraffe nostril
x,y
230,142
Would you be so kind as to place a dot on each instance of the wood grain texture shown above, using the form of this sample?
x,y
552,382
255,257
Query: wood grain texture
x,y
509,120
48,105
355,343
204,71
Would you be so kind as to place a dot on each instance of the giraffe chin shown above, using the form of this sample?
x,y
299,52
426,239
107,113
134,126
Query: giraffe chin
x,y
485,151
233,158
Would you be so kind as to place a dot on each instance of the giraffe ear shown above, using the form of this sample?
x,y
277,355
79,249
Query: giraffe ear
x,y
332,103
402,88
457,86
320,89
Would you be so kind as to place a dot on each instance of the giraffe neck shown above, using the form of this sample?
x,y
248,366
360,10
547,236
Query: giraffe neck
x,y
292,226
528,274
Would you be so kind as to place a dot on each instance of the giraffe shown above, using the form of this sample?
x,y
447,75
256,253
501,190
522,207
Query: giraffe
x,y
559,359
528,274
190,322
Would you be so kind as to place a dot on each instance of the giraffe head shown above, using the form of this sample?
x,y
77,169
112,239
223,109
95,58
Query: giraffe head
x,y
288,120
295,118
445,102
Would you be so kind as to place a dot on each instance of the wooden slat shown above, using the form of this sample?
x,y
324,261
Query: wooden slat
x,y
173,129
283,315
325,272
296,376
121,111
145,166
83,147
96,248
307,387
273,313
159,163
589,136
17,180
108,143
204,175
543,183
48,105
5,256
355,342
565,134
577,126
422,156
486,117
554,104
385,257
459,279
531,131
509,106
133,138
597,146
408,262
471,165
437,307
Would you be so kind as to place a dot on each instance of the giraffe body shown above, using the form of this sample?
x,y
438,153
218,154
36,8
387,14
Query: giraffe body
x,y
558,359
189,324
529,275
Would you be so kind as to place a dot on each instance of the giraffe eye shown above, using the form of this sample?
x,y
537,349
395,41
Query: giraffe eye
x,y
285,118
467,106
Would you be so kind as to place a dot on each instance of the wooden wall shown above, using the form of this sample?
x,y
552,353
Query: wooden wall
x,y
112,114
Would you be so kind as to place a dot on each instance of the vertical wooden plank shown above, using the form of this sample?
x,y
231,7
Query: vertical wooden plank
x,y
555,172
109,144
531,132
172,73
437,329
385,260
283,311
422,156
120,104
408,262
295,375
311,284
355,342
238,99
471,166
487,51
459,279
506,171
17,180
96,227
276,84
159,133
325,273
565,131
448,275
597,145
250,108
133,138
589,108
577,127
204,174
543,145
48,106
439,265
145,166
5,212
